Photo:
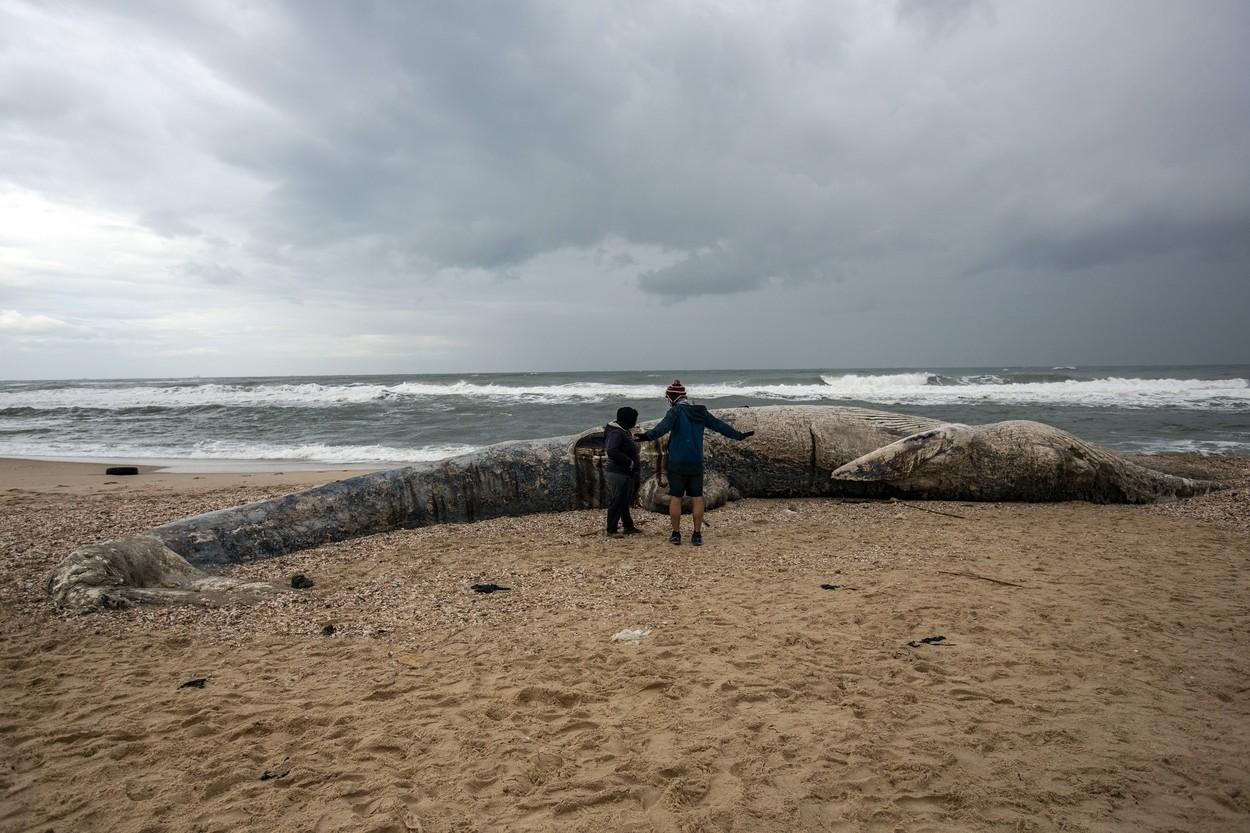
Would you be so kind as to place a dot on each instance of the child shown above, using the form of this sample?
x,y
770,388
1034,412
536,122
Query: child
x,y
621,469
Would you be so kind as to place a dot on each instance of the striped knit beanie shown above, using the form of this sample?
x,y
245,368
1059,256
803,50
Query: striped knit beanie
x,y
675,391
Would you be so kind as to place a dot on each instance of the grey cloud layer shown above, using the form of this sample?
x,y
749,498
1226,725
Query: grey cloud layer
x,y
321,147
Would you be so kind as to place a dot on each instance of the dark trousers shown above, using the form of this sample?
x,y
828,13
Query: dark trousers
x,y
621,489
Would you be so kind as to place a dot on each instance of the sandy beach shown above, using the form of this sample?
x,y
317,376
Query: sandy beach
x,y
1092,673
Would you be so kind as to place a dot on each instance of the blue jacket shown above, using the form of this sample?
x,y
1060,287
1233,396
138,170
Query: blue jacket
x,y
687,422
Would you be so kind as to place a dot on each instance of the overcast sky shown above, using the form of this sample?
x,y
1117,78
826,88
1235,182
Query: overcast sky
x,y
237,188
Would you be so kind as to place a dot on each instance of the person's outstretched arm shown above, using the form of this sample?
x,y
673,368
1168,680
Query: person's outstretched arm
x,y
722,427
663,427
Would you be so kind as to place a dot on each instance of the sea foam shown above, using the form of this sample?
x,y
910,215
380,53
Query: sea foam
x,y
917,388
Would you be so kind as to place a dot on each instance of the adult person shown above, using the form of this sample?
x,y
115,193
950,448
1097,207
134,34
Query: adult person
x,y
621,470
687,421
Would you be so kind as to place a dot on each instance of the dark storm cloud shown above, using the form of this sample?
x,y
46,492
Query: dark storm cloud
x,y
836,154
1133,236
479,136
733,268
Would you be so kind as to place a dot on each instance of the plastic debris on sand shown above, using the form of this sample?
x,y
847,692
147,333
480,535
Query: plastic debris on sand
x,y
633,635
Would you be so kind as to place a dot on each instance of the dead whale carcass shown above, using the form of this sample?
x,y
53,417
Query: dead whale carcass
x,y
797,451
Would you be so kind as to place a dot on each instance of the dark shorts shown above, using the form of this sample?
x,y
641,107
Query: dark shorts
x,y
683,485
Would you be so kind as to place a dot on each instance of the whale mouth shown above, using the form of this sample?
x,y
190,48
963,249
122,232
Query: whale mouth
x,y
899,459
588,444
870,468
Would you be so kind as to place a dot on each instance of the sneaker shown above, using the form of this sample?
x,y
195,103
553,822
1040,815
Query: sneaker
x,y
675,539
633,530
696,540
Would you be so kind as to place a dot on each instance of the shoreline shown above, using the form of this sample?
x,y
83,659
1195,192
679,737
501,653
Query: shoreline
x,y
69,475
78,477
198,465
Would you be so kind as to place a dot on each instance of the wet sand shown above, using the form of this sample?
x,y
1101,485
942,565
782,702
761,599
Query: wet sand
x,y
90,478
1093,673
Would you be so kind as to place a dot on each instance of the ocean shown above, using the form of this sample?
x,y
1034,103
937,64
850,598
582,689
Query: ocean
x,y
283,422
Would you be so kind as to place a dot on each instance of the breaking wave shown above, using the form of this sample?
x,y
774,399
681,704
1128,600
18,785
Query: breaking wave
x,y
395,419
919,388
1111,391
